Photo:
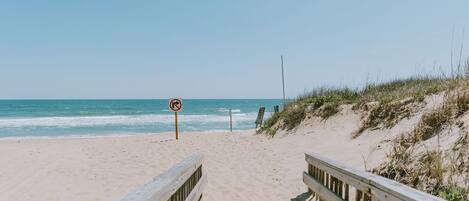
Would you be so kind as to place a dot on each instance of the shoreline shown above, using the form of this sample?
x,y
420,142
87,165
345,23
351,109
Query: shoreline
x,y
116,135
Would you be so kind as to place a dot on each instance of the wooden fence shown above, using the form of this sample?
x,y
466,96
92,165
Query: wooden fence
x,y
332,181
183,182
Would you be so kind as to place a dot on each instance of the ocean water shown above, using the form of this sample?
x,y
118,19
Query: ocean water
x,y
53,118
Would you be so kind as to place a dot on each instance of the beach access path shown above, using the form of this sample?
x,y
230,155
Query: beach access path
x,y
240,165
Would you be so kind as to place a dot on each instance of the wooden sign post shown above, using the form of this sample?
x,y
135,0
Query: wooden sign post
x,y
231,122
176,124
175,105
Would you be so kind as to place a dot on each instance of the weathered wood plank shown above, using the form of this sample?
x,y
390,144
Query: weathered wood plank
x,y
260,117
162,187
323,192
198,189
381,188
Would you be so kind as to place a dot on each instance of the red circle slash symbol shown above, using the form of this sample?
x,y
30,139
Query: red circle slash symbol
x,y
175,105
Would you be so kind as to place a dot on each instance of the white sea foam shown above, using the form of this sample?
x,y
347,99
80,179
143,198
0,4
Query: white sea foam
x,y
227,110
119,120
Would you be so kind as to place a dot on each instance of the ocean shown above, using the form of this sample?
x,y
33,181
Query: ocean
x,y
82,118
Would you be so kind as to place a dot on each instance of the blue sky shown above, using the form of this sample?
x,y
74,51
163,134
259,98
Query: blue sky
x,y
219,49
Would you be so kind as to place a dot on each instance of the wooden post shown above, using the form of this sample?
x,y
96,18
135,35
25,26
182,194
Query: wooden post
x,y
276,109
231,122
260,117
176,124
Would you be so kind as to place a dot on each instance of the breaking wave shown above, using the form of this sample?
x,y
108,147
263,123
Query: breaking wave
x,y
79,121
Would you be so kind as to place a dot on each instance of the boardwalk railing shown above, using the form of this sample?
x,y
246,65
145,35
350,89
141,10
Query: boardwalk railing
x,y
329,180
183,182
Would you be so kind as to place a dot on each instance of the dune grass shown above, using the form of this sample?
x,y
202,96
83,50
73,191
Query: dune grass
x,y
383,106
428,171
390,97
454,193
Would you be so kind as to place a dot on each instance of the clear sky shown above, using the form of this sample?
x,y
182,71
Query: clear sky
x,y
219,49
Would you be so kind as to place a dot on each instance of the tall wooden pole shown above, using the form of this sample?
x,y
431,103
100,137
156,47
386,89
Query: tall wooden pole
x,y
283,81
176,124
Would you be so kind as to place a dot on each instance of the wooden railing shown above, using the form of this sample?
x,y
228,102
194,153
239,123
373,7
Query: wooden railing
x,y
329,180
183,182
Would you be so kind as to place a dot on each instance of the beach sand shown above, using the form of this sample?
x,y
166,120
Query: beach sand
x,y
240,165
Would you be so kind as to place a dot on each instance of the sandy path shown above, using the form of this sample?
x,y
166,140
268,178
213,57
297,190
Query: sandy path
x,y
107,168
240,166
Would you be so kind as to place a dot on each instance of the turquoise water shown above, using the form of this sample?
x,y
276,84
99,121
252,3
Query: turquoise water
x,y
50,118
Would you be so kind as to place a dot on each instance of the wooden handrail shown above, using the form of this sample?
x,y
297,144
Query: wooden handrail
x,y
183,182
333,181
